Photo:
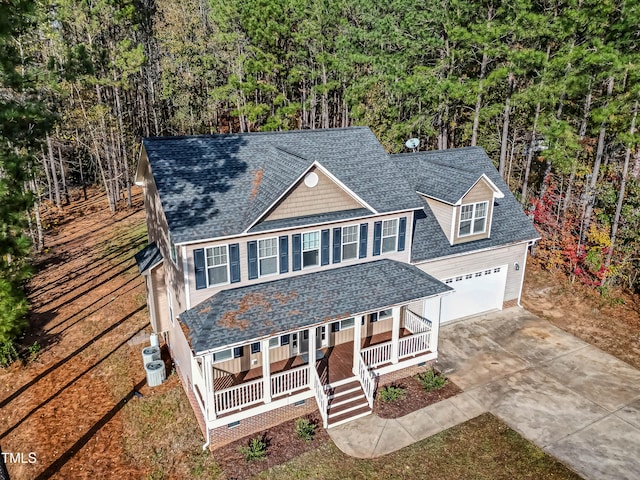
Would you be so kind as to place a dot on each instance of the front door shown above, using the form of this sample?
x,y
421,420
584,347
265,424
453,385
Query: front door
x,y
299,342
322,339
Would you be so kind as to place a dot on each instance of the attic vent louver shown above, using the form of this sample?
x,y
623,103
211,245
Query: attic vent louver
x,y
311,180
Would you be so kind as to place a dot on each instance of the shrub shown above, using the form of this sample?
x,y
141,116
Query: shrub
x,y
8,353
391,393
431,380
305,429
256,450
33,351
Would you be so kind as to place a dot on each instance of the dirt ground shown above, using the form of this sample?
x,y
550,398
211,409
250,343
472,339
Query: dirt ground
x,y
611,321
76,405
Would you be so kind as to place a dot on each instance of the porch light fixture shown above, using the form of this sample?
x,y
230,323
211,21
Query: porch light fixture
x,y
517,265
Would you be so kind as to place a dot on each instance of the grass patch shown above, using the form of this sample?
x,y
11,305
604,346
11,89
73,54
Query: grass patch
x,y
162,435
483,448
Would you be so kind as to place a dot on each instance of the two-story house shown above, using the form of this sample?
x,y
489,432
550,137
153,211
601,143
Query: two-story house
x,y
290,271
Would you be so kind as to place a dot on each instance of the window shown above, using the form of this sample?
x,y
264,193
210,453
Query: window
x,y
222,356
384,314
496,270
285,340
350,242
268,256
173,251
274,342
217,265
238,352
389,235
345,324
170,301
255,347
473,218
468,276
449,280
310,249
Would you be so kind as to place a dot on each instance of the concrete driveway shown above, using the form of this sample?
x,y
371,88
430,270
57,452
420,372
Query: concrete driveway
x,y
579,404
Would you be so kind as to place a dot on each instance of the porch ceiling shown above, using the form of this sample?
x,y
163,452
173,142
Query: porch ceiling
x,y
252,312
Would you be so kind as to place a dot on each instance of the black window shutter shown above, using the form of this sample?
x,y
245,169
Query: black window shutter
x,y
198,263
402,233
284,254
335,327
364,232
324,247
252,252
374,317
296,239
337,244
234,262
377,236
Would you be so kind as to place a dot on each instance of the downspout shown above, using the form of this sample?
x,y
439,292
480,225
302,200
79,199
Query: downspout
x,y
205,364
524,267
206,445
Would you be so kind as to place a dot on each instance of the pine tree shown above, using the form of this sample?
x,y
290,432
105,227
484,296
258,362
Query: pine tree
x,y
22,123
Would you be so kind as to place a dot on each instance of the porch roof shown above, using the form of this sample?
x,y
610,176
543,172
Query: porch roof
x,y
148,257
252,312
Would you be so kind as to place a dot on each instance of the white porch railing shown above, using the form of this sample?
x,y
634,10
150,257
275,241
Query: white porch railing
x,y
376,354
367,380
414,344
289,381
239,396
321,396
415,323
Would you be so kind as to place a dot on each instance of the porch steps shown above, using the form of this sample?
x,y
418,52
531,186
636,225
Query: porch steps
x,y
346,402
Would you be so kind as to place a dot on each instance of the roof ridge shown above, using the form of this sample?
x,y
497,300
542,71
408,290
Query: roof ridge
x,y
273,132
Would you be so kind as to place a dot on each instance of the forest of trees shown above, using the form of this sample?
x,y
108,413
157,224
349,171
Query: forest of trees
x,y
548,87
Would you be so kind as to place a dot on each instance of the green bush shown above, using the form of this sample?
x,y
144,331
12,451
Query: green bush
x,y
257,449
305,429
8,353
34,350
391,393
431,380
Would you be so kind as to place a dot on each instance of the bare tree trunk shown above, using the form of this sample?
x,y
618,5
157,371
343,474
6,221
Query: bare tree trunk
x,y
476,113
530,152
505,127
621,191
596,167
574,166
325,99
52,164
63,177
45,167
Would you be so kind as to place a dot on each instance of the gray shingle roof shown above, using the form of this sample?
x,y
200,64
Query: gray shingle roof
x,y
443,182
509,224
257,311
148,257
218,185
310,219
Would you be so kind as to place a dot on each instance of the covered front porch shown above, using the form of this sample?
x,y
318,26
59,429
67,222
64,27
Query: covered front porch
x,y
341,356
279,343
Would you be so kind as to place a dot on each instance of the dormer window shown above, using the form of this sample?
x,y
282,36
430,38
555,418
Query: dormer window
x,y
473,218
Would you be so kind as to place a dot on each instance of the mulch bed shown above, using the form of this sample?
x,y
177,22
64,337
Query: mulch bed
x,y
415,398
282,445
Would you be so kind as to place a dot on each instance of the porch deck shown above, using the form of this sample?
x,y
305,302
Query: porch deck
x,y
336,363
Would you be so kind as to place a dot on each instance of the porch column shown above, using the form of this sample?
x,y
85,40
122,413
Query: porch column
x,y
266,371
435,329
395,334
207,367
311,347
357,342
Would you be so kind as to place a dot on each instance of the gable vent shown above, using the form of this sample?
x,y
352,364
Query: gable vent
x,y
311,180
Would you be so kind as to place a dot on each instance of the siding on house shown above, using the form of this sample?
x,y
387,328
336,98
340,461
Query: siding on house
x,y
158,231
160,302
180,351
481,192
452,266
443,213
199,295
325,197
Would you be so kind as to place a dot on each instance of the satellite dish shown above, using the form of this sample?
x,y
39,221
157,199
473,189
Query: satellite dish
x,y
412,143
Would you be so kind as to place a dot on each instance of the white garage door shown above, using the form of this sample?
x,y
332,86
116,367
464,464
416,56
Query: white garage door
x,y
474,293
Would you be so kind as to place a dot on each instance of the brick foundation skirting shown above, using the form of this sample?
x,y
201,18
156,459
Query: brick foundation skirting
x,y
224,435
510,303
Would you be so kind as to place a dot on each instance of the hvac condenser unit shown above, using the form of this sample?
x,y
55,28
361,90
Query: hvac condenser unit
x,y
155,373
149,354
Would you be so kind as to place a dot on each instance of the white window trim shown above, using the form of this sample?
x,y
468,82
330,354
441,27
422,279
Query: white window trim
x,y
473,218
357,242
230,350
173,251
206,266
382,237
381,318
277,256
171,311
302,250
